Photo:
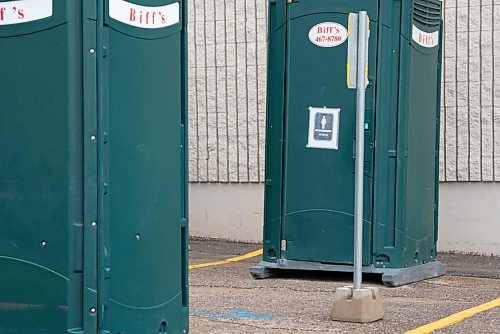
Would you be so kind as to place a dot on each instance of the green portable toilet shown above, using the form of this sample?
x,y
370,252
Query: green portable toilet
x,y
309,185
93,203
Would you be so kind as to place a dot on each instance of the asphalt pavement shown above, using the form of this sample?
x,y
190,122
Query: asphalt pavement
x,y
226,299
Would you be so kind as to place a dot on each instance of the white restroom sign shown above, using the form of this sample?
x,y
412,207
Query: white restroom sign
x,y
323,128
22,11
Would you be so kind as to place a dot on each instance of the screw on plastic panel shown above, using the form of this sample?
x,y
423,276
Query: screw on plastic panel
x,y
92,310
92,138
137,236
163,327
43,243
107,272
94,224
92,51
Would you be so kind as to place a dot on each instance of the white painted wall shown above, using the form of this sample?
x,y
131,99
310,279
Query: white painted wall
x,y
469,214
470,217
231,211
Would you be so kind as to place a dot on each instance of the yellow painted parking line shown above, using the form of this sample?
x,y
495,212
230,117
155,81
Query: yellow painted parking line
x,y
455,318
233,259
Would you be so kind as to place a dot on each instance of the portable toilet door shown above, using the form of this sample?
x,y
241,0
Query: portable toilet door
x,y
317,175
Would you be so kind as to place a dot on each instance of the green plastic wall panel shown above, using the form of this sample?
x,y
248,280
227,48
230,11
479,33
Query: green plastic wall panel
x,y
309,193
93,187
41,189
146,179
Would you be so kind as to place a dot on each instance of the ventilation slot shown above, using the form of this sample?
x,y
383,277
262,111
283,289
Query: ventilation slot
x,y
427,13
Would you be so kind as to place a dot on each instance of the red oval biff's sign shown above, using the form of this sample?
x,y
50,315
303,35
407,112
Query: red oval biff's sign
x,y
328,34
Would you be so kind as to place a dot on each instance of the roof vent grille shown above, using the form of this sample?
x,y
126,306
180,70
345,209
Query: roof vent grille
x,y
427,13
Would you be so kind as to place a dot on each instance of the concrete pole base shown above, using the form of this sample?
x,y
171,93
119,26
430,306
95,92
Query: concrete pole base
x,y
357,305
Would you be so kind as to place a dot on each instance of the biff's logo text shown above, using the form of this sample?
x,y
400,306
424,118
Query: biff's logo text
x,y
425,39
17,13
148,18
22,11
144,16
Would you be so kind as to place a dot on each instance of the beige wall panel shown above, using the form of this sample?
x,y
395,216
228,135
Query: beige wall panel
x,y
475,144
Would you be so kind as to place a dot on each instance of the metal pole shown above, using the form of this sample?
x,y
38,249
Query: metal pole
x,y
360,144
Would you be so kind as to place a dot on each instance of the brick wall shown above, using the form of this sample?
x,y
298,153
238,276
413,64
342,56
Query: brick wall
x,y
227,84
470,127
227,89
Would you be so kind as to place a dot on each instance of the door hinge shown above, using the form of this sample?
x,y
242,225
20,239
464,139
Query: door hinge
x,y
283,245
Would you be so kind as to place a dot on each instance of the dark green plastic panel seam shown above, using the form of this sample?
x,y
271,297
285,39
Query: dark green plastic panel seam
x,y
274,137
90,144
76,169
